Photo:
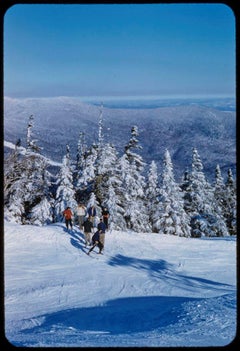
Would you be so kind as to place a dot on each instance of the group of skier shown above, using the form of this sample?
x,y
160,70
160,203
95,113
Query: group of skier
x,y
86,218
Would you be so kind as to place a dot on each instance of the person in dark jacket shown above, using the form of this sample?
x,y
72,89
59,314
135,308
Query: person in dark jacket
x,y
96,242
88,226
105,214
102,230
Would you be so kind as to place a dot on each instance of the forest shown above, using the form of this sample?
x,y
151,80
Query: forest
x,y
137,196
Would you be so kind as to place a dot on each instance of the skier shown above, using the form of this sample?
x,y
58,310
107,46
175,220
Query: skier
x,y
81,212
88,226
96,242
102,230
105,214
92,213
67,213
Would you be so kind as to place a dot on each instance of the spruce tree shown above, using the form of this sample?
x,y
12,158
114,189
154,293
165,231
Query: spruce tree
x,y
230,204
65,194
14,185
80,158
172,217
219,187
12,171
31,142
152,194
116,210
114,197
41,209
86,182
106,169
206,220
136,213
29,183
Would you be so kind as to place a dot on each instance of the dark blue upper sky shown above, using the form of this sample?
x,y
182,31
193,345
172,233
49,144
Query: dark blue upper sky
x,y
107,50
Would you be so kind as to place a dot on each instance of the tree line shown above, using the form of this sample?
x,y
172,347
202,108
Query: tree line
x,y
99,176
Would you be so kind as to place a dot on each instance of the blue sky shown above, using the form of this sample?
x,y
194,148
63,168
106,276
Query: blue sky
x,y
119,50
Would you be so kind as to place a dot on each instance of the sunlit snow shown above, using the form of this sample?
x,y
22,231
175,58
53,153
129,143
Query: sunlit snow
x,y
145,290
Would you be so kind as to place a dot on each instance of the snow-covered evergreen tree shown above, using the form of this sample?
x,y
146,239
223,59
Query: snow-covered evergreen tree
x,y
219,187
136,213
31,143
185,186
114,193
65,194
100,129
116,210
230,204
42,213
30,189
80,158
106,168
14,186
86,181
172,217
206,219
152,193
30,182
119,184
12,171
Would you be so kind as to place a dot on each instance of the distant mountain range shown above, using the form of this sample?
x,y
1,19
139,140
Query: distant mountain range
x,y
179,128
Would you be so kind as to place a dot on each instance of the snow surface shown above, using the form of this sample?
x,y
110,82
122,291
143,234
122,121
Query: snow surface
x,y
145,290
22,150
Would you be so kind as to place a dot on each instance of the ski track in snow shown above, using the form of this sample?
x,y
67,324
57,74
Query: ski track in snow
x,y
145,290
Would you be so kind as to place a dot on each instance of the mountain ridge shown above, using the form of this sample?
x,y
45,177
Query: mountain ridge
x,y
58,121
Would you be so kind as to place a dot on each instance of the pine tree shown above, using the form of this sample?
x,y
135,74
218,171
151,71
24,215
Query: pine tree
x,y
134,183
103,179
80,158
116,210
43,197
65,194
14,186
172,217
106,168
206,220
42,213
28,179
100,129
219,187
230,204
114,195
29,190
31,143
12,171
86,182
218,204
38,179
152,193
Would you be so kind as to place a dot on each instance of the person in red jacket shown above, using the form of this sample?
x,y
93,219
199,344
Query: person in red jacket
x,y
67,213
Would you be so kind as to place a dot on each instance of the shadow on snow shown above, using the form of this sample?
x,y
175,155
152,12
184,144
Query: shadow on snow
x,y
125,315
77,238
166,272
119,316
158,269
